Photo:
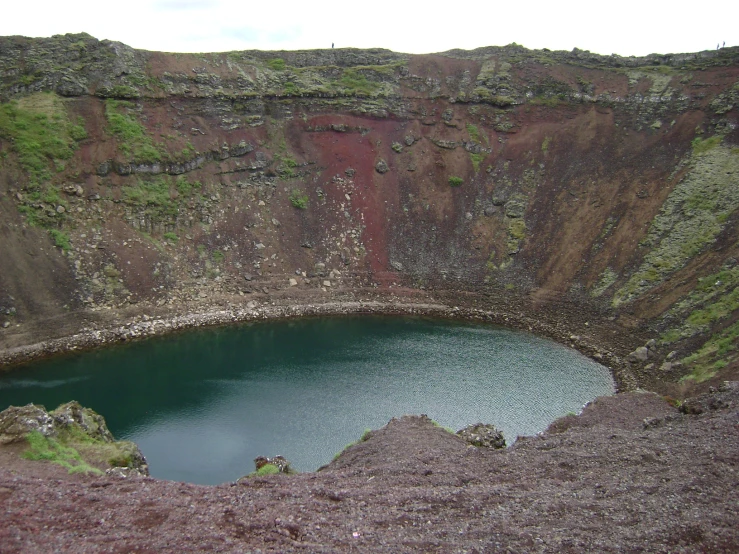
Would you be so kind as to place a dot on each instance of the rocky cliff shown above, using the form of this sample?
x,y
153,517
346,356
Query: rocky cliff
x,y
591,198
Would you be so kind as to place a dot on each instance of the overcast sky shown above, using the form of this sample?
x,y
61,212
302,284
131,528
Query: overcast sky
x,y
626,27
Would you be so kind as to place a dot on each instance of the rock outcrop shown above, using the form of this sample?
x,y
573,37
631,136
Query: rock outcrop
x,y
74,427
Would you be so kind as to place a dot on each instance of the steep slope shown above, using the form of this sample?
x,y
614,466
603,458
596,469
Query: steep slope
x,y
595,196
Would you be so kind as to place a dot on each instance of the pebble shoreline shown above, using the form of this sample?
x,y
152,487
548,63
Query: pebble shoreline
x,y
146,326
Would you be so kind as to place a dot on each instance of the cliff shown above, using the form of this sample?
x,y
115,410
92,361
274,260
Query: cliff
x,y
590,198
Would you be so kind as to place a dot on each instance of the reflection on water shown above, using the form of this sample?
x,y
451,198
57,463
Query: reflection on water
x,y
201,405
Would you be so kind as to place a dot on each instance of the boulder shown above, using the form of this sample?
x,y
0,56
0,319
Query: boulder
x,y
93,424
382,167
278,461
17,421
483,435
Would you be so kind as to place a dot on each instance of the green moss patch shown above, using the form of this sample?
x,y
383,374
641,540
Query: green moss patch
x,y
131,136
51,450
691,218
40,132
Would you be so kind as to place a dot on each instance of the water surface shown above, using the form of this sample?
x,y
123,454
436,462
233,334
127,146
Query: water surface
x,y
203,404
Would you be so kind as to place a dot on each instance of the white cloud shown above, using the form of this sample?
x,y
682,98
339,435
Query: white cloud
x,y
628,27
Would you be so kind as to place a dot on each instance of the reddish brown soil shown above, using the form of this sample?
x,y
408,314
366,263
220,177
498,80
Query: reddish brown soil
x,y
601,482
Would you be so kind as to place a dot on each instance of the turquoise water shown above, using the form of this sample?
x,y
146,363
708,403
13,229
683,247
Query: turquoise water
x,y
203,404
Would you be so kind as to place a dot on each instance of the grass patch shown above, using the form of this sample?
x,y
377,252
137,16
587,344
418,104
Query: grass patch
x,y
357,83
715,354
40,133
477,160
455,181
266,469
171,237
153,198
701,146
473,132
187,188
60,238
42,448
132,138
276,64
298,199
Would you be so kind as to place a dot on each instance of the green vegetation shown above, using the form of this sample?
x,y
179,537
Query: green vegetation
x,y
691,218
48,449
477,160
187,188
291,89
516,228
298,199
60,238
715,354
607,278
276,64
701,146
153,197
40,133
357,83
130,134
718,297
365,436
218,256
285,165
473,132
266,469
455,181
171,237
545,144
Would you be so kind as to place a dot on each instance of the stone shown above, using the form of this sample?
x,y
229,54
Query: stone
x,y
515,209
251,304
482,435
350,172
60,209
409,140
397,147
490,211
17,421
93,424
641,354
381,167
397,266
293,282
248,277
280,462
327,283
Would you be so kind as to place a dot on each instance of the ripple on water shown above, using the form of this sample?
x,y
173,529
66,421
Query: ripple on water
x,y
202,404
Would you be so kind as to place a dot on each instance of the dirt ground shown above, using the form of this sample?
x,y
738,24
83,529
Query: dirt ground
x,y
631,474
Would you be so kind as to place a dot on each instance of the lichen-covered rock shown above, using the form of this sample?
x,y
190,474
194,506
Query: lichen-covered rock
x,y
93,424
381,167
76,426
482,434
280,462
17,421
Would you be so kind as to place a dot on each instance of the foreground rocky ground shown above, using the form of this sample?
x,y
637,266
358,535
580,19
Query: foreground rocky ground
x,y
632,473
